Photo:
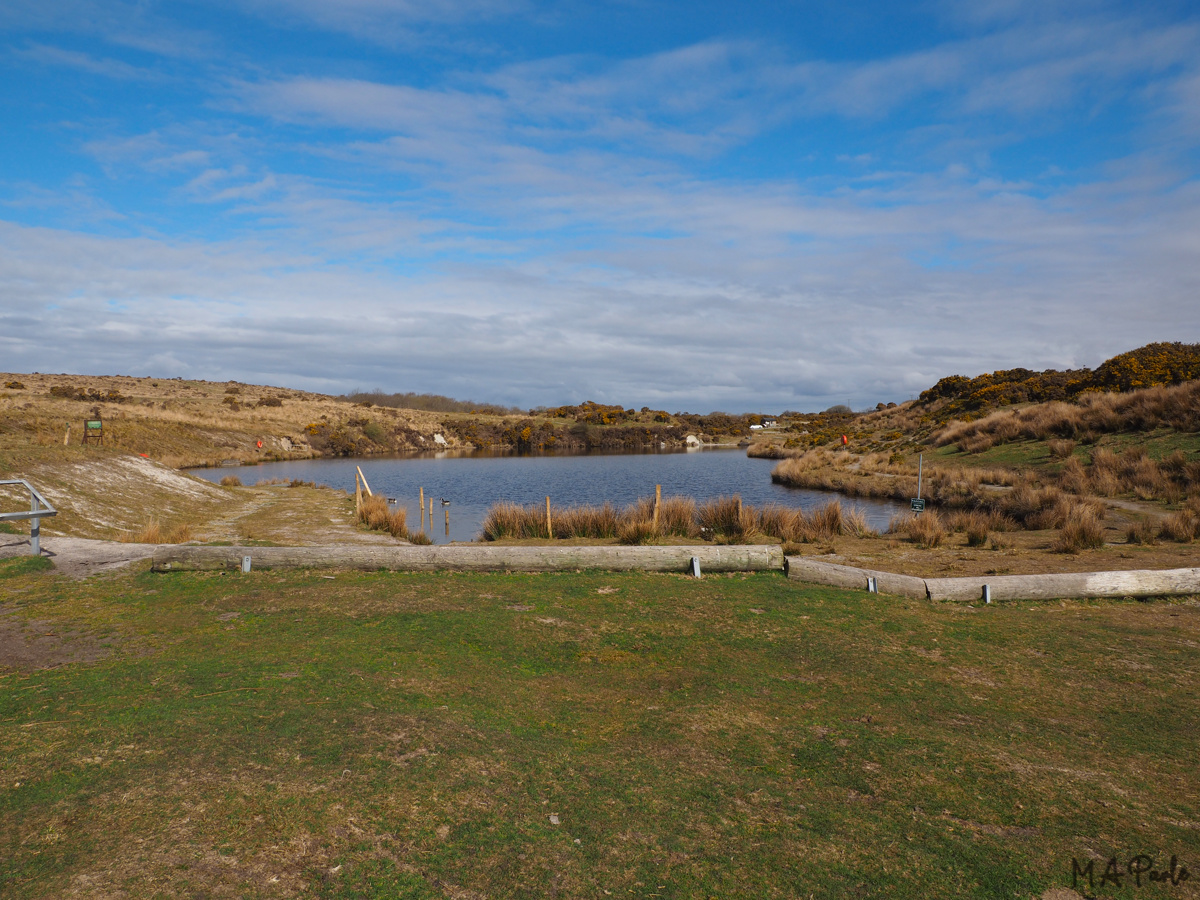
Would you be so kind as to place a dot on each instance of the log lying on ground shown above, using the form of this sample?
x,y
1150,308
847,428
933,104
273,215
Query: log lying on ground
x,y
1131,583
818,572
728,558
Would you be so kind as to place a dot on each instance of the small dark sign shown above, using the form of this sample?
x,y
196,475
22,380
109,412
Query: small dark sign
x,y
918,505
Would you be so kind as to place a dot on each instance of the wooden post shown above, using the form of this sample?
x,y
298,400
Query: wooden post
x,y
357,494
421,504
364,481
657,501
431,514
67,439
549,525
447,511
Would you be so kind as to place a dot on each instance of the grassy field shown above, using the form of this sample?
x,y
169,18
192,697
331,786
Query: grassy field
x,y
583,735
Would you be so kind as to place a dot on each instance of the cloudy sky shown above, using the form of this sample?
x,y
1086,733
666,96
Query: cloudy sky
x,y
688,205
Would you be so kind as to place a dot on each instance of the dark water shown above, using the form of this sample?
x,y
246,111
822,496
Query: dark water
x,y
473,482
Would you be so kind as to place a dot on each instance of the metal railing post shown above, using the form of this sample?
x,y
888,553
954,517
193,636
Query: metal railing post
x,y
35,527
39,508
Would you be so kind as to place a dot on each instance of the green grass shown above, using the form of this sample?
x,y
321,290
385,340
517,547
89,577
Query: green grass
x,y
411,735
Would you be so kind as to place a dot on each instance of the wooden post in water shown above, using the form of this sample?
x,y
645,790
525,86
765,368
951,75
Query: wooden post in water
x,y
431,514
549,526
421,504
657,501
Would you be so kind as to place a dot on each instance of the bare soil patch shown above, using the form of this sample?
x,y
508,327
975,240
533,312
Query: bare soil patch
x,y
31,645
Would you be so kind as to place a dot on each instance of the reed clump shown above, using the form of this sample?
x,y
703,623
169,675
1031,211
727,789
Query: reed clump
x,y
375,513
926,529
723,520
1182,526
231,481
1082,529
1143,532
154,533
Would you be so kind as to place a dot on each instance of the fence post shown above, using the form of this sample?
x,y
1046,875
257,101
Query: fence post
x,y
657,501
549,526
35,527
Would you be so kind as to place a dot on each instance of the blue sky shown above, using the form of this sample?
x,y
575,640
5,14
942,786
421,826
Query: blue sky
x,y
687,205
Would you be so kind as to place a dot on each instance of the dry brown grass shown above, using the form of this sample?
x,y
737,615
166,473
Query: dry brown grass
x,y
378,516
637,531
154,533
1175,407
1143,532
926,529
722,520
1182,527
231,481
725,520
1081,530
1061,448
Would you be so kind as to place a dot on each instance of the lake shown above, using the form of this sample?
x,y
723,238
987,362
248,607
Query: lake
x,y
472,482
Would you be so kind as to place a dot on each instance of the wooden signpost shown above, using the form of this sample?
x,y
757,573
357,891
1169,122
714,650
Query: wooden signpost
x,y
93,431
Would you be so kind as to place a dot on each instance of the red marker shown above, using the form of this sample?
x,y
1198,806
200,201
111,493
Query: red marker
x,y
845,440
260,445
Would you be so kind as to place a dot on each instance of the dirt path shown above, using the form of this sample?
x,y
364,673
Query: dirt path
x,y
78,557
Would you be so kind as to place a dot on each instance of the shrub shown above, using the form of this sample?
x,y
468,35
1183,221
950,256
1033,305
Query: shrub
x,y
14,385
269,401
231,481
419,537
375,432
1081,530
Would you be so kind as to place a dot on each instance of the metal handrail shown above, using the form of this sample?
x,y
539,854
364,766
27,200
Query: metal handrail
x,y
39,508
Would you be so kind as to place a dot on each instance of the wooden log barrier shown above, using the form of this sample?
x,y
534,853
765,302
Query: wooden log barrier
x,y
817,572
1129,583
472,558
